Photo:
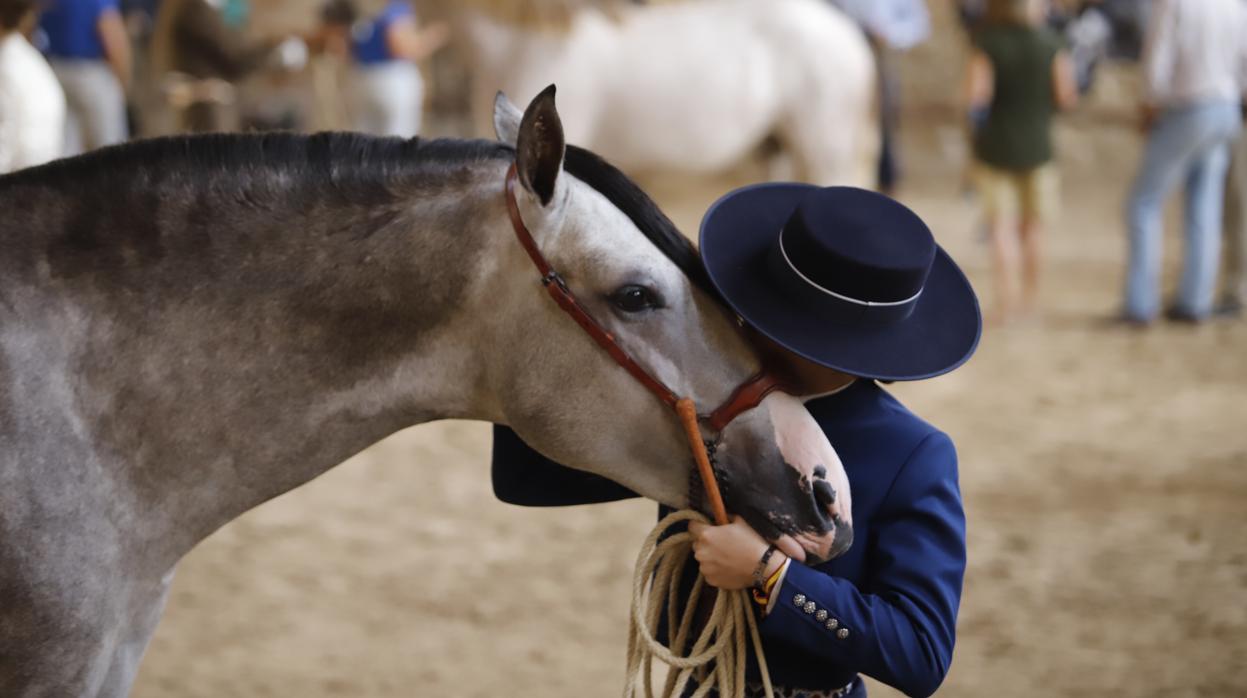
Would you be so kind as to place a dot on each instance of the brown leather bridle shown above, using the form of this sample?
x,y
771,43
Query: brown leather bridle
x,y
745,397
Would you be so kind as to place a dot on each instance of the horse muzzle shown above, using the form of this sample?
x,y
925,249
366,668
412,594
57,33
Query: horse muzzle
x,y
778,471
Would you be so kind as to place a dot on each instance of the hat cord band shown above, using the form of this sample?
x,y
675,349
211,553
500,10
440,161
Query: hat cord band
x,y
840,296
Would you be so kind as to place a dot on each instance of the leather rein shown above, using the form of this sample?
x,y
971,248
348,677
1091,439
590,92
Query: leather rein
x,y
745,397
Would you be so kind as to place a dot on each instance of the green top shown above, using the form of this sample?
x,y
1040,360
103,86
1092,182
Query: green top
x,y
1017,134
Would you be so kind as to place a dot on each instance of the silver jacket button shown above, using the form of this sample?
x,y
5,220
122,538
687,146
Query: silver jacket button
x,y
809,607
798,600
821,615
842,633
832,623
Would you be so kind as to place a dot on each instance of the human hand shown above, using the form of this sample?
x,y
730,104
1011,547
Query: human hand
x,y
729,554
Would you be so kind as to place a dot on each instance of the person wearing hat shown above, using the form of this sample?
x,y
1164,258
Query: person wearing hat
x,y
843,289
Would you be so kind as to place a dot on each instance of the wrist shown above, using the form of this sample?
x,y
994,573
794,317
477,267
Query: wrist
x,y
765,596
765,562
772,566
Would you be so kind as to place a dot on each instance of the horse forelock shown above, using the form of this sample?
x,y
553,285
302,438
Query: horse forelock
x,y
629,198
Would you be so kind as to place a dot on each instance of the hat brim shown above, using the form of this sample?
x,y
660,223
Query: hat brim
x,y
940,335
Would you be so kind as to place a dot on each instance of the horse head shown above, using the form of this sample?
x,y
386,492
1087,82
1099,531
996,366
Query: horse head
x,y
642,281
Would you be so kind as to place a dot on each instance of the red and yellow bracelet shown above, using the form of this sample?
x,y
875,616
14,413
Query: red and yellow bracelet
x,y
762,596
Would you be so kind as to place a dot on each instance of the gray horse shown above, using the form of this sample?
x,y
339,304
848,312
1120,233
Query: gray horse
x,y
192,326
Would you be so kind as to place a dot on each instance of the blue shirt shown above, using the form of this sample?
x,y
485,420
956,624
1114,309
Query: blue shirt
x,y
369,37
897,589
71,28
901,24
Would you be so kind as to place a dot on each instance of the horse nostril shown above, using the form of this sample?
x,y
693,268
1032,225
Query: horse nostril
x,y
824,494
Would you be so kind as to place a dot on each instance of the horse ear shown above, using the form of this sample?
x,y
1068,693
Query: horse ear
x,y
539,146
506,119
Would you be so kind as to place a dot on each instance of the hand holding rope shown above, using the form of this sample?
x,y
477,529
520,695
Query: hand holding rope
x,y
718,656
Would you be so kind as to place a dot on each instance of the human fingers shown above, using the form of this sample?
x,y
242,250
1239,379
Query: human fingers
x,y
702,556
697,529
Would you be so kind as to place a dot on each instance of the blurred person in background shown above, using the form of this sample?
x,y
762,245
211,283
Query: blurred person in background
x,y
970,13
235,13
1192,68
387,91
198,52
892,26
32,105
140,19
89,49
1095,31
1017,77
1234,281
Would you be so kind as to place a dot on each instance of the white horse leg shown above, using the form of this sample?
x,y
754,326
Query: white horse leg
x,y
828,120
833,138
781,162
868,147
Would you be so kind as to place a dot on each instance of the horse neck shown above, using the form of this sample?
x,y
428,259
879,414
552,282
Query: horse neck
x,y
290,341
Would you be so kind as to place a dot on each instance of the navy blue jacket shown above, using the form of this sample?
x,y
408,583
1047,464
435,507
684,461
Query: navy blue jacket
x,y
896,591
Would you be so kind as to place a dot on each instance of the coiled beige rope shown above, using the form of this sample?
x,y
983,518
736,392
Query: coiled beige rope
x,y
717,658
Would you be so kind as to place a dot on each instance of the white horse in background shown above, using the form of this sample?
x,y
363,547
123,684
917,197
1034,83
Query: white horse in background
x,y
694,85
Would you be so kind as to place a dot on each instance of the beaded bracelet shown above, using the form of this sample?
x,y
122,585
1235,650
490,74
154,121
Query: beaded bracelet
x,y
758,580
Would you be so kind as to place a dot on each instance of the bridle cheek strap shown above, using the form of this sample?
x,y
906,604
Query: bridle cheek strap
x,y
558,290
746,396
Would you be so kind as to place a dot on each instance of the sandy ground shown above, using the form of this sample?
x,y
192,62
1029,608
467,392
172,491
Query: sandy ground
x,y
1104,472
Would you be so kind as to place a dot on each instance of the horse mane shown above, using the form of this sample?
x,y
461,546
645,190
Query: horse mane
x,y
330,159
336,165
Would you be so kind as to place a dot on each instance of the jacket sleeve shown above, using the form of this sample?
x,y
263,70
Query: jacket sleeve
x,y
523,476
900,629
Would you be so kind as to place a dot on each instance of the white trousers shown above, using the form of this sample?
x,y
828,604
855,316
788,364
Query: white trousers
x,y
96,116
388,99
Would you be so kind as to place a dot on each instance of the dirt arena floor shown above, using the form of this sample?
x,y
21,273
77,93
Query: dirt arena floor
x,y
1104,472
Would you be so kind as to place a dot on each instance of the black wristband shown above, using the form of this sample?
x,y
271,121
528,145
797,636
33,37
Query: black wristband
x,y
759,572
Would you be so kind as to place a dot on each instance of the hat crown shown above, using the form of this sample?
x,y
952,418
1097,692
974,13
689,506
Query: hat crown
x,y
860,245
842,277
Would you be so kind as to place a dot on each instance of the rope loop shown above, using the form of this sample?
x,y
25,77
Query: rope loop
x,y
716,661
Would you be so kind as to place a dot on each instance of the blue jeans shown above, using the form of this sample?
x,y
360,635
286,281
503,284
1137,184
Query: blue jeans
x,y
1191,145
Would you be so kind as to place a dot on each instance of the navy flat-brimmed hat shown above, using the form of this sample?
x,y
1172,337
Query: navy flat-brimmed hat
x,y
844,277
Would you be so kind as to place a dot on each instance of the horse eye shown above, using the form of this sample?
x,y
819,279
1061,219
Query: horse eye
x,y
635,299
